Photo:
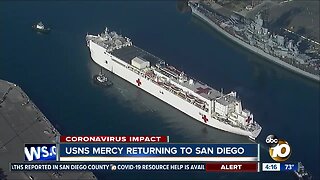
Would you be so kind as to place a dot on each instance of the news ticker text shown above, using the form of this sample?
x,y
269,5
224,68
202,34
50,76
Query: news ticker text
x,y
205,167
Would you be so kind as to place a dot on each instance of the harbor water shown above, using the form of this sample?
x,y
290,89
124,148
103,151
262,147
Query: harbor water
x,y
56,71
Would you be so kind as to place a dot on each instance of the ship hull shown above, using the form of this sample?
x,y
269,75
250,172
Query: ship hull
x,y
254,49
118,67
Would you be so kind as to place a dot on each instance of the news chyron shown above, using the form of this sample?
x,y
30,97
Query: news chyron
x,y
40,152
279,149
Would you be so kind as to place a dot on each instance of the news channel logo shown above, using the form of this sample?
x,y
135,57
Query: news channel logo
x,y
40,152
279,149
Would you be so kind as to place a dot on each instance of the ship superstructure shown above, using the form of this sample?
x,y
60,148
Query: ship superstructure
x,y
153,75
252,35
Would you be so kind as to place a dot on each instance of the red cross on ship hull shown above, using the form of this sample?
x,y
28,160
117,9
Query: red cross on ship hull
x,y
204,118
138,82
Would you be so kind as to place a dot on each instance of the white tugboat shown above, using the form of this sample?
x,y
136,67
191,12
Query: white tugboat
x,y
101,79
41,28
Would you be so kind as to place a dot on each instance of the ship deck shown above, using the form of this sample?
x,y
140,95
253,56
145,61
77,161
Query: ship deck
x,y
128,53
201,89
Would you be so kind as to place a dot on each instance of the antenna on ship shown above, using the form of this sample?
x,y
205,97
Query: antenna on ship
x,y
221,92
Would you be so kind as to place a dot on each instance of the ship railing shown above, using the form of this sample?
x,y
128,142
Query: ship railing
x,y
170,72
204,108
133,69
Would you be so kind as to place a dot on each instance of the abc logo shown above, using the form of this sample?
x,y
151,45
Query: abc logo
x,y
279,149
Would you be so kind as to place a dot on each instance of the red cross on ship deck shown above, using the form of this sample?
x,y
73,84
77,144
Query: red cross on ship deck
x,y
205,119
138,82
203,90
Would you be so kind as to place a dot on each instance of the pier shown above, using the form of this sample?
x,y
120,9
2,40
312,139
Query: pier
x,y
22,122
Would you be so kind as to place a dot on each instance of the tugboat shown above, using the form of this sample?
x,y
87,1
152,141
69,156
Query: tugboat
x,y
41,28
301,173
101,79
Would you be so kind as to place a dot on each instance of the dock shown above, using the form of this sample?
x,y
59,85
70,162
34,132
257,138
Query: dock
x,y
22,122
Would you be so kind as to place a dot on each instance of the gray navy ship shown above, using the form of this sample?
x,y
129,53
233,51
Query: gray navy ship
x,y
252,35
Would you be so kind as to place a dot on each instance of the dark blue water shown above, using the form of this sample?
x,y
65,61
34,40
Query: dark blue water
x,y
55,70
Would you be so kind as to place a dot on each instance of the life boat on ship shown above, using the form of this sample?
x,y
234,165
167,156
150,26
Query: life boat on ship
x,y
176,71
150,74
166,85
199,103
190,97
163,79
175,88
182,95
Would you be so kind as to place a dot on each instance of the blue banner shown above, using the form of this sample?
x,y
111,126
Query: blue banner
x,y
288,167
158,150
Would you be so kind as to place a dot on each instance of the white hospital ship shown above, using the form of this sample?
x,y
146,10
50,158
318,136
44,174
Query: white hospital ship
x,y
151,74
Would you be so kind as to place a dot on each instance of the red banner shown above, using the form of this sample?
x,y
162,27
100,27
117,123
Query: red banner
x,y
113,139
232,167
